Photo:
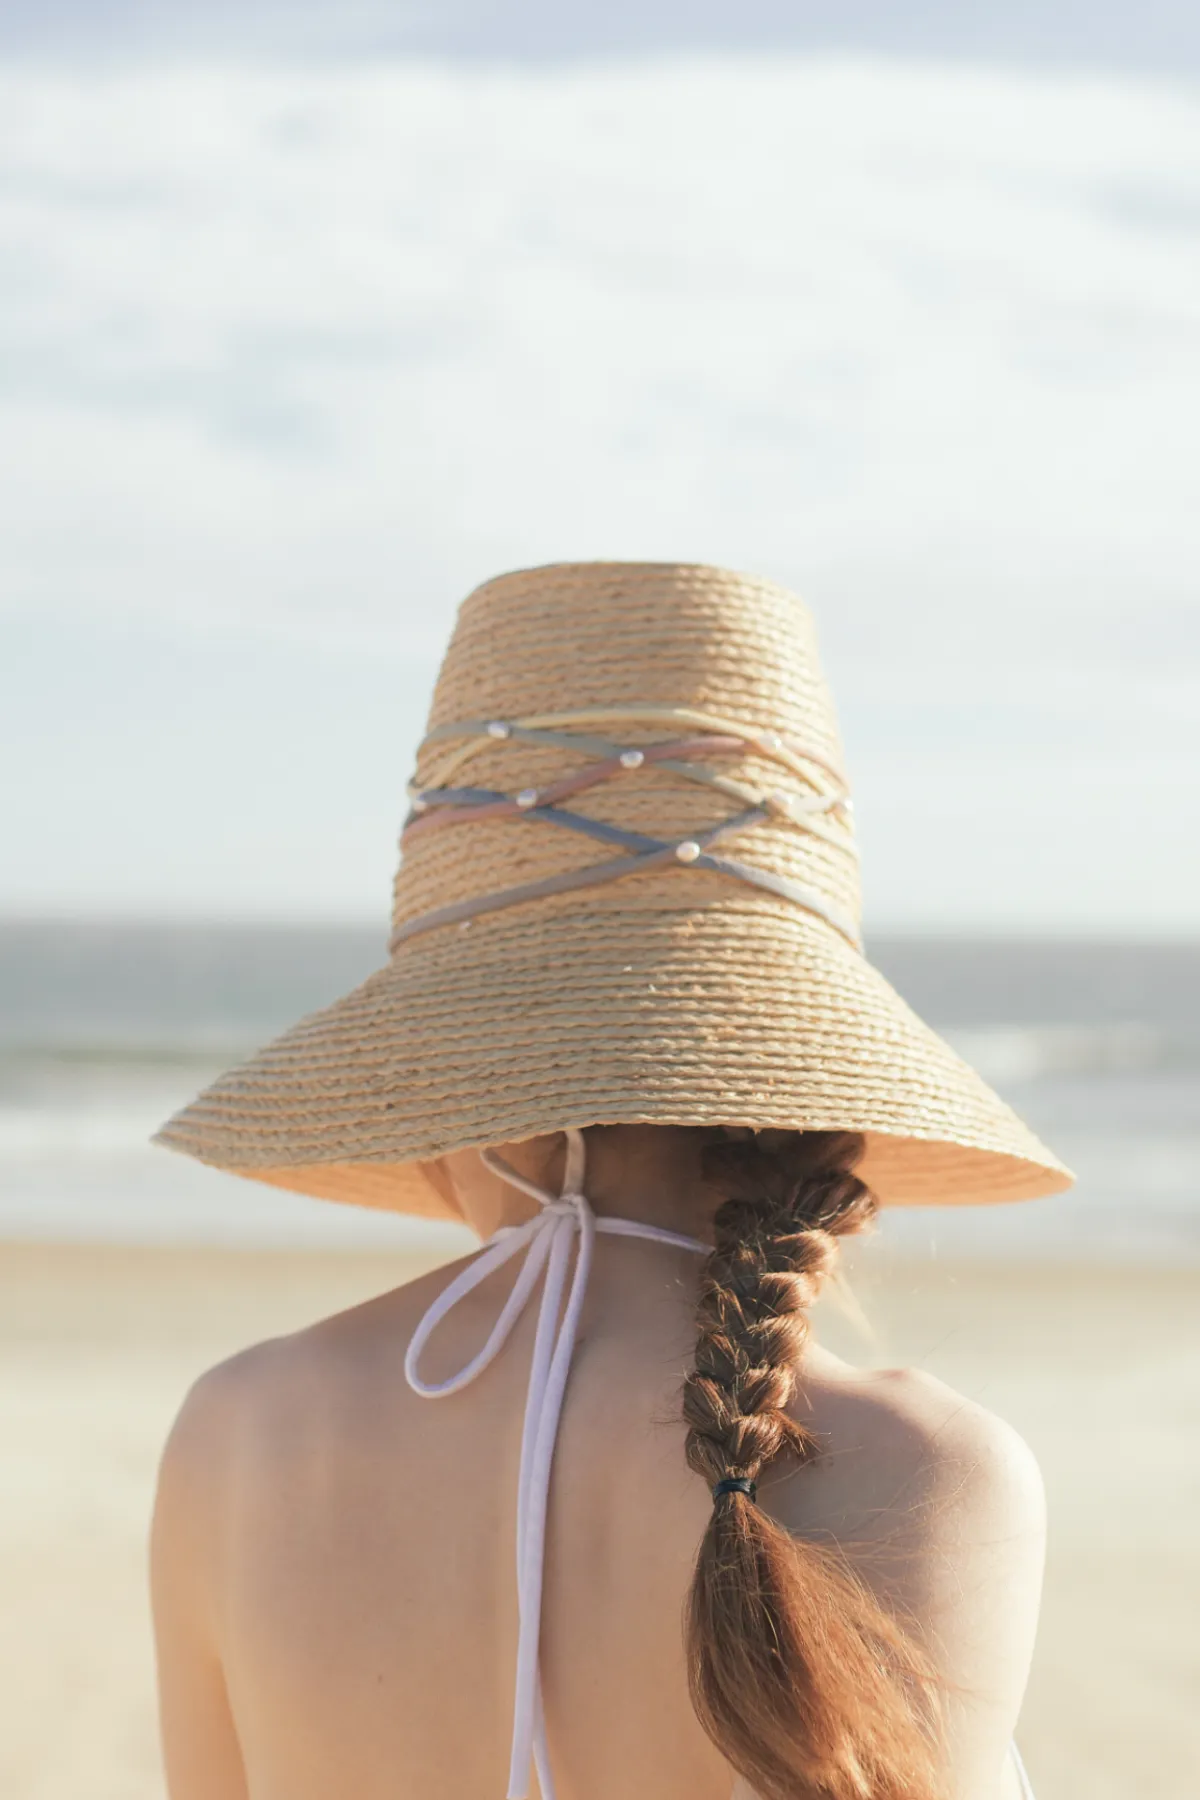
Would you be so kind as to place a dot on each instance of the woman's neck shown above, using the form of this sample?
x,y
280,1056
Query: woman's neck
x,y
648,1173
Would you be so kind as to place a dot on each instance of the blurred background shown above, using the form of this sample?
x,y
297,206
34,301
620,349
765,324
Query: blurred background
x,y
314,315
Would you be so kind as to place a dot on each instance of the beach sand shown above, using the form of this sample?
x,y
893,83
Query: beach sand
x,y
1099,1368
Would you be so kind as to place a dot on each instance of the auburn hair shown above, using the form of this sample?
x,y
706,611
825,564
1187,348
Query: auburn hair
x,y
809,1688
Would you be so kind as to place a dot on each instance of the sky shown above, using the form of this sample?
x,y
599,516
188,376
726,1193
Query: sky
x,y
1121,34
296,350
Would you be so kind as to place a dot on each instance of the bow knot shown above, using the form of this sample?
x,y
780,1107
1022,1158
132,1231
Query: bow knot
x,y
547,1248
569,1206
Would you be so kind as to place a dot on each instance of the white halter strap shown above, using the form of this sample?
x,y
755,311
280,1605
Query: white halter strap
x,y
546,1241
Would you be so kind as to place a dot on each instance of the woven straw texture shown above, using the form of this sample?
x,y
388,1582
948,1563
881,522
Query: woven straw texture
x,y
672,996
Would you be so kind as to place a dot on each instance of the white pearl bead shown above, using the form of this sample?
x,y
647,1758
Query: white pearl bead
x,y
688,851
499,729
770,740
527,797
632,759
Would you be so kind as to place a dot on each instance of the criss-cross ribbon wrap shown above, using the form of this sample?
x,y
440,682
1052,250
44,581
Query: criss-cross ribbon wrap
x,y
822,807
565,1221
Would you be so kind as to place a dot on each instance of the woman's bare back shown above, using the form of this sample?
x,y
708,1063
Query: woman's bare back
x,y
334,1556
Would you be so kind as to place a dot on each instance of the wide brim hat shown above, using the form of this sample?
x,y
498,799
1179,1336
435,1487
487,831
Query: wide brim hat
x,y
628,893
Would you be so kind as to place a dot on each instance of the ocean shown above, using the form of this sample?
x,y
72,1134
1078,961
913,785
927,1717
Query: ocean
x,y
105,1028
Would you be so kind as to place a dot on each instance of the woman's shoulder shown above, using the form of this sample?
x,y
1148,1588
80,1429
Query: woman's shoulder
x,y
936,1462
283,1396
937,1504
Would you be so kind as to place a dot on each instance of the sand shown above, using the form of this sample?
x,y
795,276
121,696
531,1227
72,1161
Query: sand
x,y
1099,1368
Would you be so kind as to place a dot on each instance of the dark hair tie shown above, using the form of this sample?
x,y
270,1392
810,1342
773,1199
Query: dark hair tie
x,y
736,1484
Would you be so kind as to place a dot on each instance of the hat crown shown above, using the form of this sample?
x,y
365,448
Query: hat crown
x,y
579,635
619,640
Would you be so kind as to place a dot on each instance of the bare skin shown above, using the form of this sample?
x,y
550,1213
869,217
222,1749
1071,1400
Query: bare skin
x,y
332,1556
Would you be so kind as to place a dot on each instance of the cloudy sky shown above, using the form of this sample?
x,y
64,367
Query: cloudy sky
x,y
294,350
1124,34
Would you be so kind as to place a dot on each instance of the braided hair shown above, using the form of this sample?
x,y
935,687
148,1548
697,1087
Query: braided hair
x,y
807,1687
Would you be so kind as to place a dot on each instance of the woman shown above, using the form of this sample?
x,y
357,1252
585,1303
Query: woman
x,y
395,1553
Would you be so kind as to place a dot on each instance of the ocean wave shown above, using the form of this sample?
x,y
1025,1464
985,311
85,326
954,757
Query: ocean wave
x,y
1001,1053
197,1049
81,1134
1014,1053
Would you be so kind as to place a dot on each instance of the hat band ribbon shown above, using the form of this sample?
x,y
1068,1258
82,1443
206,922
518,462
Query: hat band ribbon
x,y
437,806
472,735
546,1240
430,805
650,853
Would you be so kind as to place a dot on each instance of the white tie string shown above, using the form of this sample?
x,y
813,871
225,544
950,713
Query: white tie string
x,y
546,1240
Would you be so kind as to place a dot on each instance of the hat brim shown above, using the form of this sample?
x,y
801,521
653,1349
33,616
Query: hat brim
x,y
739,1014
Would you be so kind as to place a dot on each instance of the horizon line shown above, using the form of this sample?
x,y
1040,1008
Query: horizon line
x,y
960,932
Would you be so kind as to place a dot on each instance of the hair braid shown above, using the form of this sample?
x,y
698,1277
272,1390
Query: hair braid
x,y
798,1676
775,1246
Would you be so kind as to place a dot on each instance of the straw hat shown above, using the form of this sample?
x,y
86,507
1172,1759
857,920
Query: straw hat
x,y
628,892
